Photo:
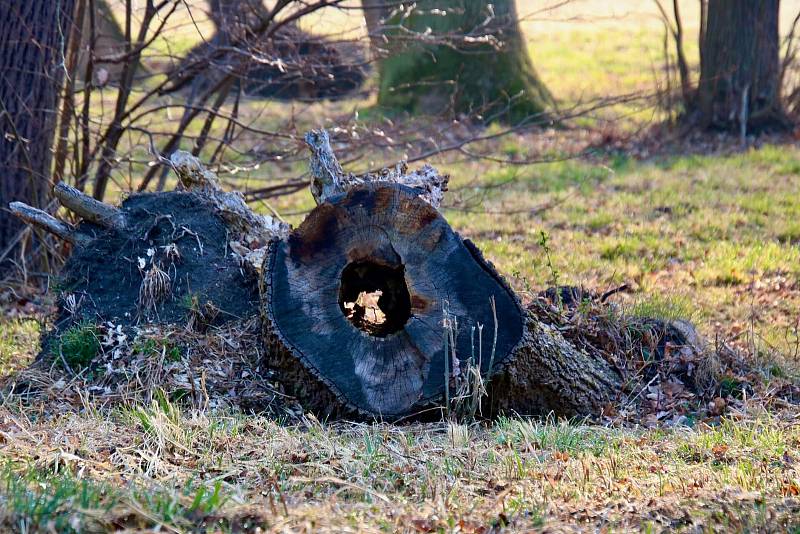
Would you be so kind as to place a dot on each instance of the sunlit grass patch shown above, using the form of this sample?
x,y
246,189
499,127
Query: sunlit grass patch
x,y
380,476
731,263
669,307
19,341
552,436
34,500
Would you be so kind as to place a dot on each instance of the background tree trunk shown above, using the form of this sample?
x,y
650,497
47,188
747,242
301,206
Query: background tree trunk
x,y
375,13
447,56
740,66
32,39
232,18
109,40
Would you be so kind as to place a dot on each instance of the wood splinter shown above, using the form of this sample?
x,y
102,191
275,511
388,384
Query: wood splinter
x,y
329,179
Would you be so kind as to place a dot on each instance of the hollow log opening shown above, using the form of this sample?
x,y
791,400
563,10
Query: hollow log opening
x,y
375,297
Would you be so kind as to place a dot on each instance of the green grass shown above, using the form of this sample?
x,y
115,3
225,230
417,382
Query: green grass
x,y
195,470
717,230
667,307
77,346
33,499
36,500
151,347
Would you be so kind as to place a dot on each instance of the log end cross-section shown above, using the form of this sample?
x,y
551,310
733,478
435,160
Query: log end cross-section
x,y
355,301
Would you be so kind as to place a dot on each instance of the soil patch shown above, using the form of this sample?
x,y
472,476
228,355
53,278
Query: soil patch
x,y
172,263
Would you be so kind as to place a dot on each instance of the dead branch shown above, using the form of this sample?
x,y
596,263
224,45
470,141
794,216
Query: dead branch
x,y
90,209
328,178
45,221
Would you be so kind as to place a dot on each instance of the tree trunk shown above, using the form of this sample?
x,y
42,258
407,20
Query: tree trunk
x,y
464,56
374,305
739,85
233,18
375,13
109,41
32,39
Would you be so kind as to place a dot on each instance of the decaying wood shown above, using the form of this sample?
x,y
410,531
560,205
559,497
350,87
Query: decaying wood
x,y
88,208
328,178
372,307
380,237
254,230
45,221
546,373
191,172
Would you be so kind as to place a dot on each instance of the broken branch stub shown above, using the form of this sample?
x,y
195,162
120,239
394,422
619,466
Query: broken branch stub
x,y
88,208
329,179
191,172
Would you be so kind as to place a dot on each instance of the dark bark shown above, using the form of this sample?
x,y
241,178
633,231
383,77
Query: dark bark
x,y
234,18
33,39
472,60
388,358
546,373
739,87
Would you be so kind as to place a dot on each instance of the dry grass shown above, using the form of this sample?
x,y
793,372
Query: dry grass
x,y
709,237
150,462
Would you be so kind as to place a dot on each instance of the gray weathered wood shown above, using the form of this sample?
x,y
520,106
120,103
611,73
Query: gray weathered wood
x,y
45,221
89,208
329,179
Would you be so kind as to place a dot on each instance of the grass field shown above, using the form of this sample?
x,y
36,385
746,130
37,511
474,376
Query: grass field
x,y
713,236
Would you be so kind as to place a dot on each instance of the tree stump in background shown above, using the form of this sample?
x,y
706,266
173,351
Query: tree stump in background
x,y
359,295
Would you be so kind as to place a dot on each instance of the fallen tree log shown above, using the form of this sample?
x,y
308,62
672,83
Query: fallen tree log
x,y
432,292
373,307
